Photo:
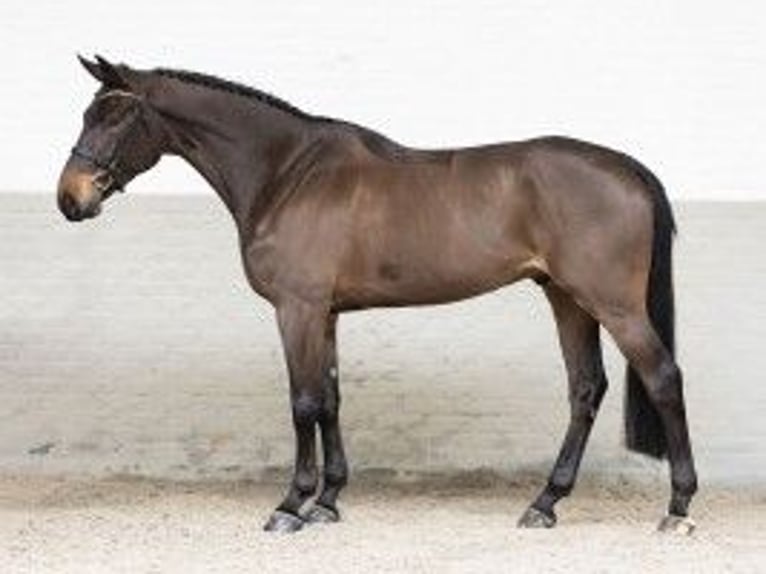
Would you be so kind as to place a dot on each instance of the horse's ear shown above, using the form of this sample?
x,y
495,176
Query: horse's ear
x,y
106,73
92,67
112,77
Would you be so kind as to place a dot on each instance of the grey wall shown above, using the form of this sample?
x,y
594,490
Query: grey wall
x,y
132,344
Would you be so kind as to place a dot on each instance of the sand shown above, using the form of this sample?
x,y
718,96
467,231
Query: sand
x,y
135,525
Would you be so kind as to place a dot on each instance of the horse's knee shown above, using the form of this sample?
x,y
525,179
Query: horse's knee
x,y
307,408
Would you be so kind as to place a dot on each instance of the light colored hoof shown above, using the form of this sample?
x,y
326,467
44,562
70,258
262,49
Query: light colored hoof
x,y
682,525
534,518
319,514
284,522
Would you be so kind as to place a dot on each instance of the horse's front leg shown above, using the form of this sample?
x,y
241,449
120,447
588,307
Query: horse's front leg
x,y
309,351
335,473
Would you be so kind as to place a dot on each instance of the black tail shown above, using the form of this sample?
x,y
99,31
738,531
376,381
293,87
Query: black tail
x,y
644,431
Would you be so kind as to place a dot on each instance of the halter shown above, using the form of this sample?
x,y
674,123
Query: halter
x,y
109,166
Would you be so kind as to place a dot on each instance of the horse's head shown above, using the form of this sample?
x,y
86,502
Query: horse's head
x,y
121,137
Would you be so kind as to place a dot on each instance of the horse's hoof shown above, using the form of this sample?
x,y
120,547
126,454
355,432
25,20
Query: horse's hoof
x,y
535,518
673,524
319,514
281,521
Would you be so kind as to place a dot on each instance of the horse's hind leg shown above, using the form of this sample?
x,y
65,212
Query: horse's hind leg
x,y
661,376
581,347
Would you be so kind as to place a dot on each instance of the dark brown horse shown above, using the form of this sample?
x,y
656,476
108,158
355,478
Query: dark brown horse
x,y
334,217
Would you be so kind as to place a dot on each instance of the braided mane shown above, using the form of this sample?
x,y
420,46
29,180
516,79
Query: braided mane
x,y
373,140
216,83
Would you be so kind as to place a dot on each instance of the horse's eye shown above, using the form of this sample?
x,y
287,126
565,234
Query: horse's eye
x,y
103,113
111,120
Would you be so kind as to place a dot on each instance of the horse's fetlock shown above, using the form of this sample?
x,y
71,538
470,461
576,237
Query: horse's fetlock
x,y
336,475
306,482
559,490
686,487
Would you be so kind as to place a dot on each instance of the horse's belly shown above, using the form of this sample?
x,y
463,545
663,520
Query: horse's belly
x,y
401,280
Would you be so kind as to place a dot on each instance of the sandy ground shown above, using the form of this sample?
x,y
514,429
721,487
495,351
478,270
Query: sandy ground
x,y
136,526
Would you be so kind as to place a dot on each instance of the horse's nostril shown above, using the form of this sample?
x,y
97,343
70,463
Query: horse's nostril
x,y
103,180
69,207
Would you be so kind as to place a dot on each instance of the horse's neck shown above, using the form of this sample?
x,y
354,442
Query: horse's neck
x,y
237,144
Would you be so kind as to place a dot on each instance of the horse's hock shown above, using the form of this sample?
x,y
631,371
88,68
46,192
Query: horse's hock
x,y
134,345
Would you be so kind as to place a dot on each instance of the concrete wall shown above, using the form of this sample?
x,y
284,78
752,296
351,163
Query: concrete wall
x,y
132,344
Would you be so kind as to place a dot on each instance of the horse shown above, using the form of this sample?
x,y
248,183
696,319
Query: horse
x,y
333,217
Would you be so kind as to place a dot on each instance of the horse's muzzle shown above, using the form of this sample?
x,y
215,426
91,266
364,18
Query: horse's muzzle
x,y
79,196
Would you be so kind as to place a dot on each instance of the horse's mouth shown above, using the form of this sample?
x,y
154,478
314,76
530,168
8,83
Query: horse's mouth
x,y
74,212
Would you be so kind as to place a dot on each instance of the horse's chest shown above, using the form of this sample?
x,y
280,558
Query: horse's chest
x,y
277,269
